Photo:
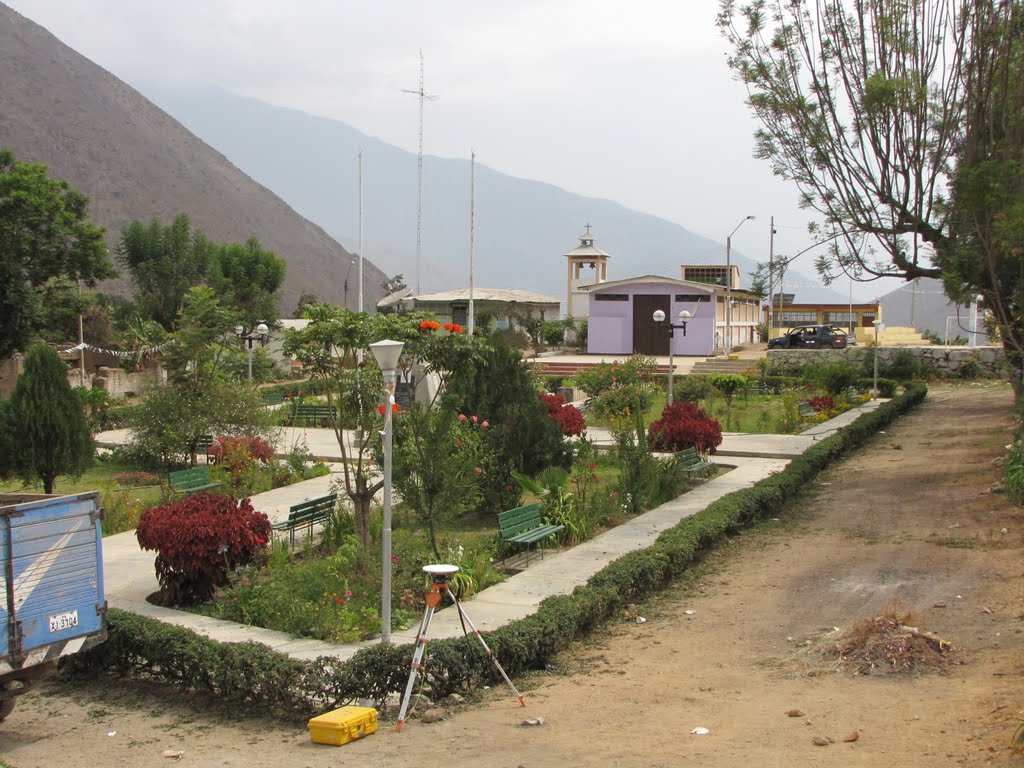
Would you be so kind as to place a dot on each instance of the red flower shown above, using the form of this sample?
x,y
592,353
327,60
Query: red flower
x,y
340,600
394,408
394,558
453,327
430,325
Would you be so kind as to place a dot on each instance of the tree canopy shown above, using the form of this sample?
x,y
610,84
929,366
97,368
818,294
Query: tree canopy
x,y
44,234
900,124
165,262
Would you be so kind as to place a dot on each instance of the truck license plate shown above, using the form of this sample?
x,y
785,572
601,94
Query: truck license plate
x,y
63,621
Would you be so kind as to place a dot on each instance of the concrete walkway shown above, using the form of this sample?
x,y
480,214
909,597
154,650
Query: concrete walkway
x,y
129,574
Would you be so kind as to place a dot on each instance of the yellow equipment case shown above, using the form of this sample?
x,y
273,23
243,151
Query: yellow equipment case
x,y
343,725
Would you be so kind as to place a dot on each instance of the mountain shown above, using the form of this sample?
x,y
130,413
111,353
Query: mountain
x,y
134,161
522,229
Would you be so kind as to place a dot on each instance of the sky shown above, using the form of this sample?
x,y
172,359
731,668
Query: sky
x,y
629,101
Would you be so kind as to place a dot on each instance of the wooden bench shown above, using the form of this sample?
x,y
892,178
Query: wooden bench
x,y
200,446
689,460
306,514
525,526
806,411
319,414
191,480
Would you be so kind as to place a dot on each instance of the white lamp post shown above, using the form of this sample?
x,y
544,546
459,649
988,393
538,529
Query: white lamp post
x,y
728,285
259,336
659,318
386,353
879,327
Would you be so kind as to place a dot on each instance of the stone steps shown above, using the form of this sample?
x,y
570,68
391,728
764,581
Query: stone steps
x,y
723,365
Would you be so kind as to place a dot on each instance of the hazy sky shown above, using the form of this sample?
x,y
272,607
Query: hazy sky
x,y
630,101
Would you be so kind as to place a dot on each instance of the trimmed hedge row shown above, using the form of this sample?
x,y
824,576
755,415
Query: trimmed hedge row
x,y
259,678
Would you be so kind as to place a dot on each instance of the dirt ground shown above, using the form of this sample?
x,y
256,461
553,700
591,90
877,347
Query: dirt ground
x,y
911,518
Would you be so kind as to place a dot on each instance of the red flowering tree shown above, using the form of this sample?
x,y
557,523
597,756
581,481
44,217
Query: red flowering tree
x,y
568,417
684,425
198,540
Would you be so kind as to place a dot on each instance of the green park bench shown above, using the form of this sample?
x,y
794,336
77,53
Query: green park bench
x,y
806,411
525,526
306,515
320,415
273,398
193,480
689,460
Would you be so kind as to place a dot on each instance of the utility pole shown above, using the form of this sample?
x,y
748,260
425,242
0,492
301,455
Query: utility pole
x,y
423,96
771,271
472,224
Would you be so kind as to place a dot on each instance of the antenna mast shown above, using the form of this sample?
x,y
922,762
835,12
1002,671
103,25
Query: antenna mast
x,y
423,96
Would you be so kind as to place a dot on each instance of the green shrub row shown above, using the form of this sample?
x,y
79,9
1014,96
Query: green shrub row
x,y
255,677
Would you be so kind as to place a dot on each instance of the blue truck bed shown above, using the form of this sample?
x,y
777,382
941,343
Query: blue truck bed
x,y
51,585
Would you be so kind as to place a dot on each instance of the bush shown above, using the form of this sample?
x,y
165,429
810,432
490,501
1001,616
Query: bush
x,y
834,378
568,417
198,540
684,425
886,387
692,388
904,365
554,333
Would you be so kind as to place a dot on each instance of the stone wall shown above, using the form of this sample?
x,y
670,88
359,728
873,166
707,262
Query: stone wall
x,y
948,361
118,383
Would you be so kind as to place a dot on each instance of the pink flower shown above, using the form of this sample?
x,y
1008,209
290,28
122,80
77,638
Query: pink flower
x,y
394,558
462,417
485,425
474,419
348,593
479,470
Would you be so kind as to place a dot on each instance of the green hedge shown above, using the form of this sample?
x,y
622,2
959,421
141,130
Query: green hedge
x,y
257,678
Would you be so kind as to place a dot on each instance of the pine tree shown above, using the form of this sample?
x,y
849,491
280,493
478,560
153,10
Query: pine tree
x,y
47,434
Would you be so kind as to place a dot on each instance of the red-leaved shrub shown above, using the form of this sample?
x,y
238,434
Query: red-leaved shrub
x,y
822,403
198,540
684,425
568,417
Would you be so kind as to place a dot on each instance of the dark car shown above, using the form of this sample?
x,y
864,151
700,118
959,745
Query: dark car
x,y
810,337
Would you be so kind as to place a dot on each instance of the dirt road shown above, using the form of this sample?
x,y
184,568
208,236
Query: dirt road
x,y
911,518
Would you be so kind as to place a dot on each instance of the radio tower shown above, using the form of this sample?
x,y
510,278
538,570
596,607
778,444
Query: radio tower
x,y
423,96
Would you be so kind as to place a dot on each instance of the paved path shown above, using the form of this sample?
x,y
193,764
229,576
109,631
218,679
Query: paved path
x,y
129,574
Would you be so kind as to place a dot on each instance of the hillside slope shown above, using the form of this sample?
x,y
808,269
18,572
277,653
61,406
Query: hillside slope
x,y
134,161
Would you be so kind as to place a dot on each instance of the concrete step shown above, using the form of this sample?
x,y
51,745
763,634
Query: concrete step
x,y
571,369
716,365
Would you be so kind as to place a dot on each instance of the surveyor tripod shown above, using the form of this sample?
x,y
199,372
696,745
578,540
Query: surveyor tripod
x,y
439,575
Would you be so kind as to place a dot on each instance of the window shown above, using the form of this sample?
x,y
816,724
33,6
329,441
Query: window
x,y
838,318
611,297
794,319
691,297
460,314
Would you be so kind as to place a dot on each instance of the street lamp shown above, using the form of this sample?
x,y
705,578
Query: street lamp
x,y
386,353
259,335
728,285
659,318
879,327
349,272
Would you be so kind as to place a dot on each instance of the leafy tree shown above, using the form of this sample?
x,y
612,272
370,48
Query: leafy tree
x,y
46,427
500,388
44,233
306,300
987,211
728,384
164,263
248,278
877,111
437,464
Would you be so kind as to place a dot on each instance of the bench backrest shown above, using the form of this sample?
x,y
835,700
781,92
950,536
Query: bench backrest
x,y
520,519
187,477
688,456
273,398
323,505
314,410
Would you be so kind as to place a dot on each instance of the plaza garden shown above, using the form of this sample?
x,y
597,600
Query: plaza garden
x,y
490,438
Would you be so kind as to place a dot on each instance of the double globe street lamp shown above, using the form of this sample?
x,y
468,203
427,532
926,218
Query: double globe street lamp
x,y
659,319
259,335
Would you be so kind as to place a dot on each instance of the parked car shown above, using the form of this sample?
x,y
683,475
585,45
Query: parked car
x,y
810,337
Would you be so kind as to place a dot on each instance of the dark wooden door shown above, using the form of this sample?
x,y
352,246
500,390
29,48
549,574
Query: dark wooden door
x,y
647,338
